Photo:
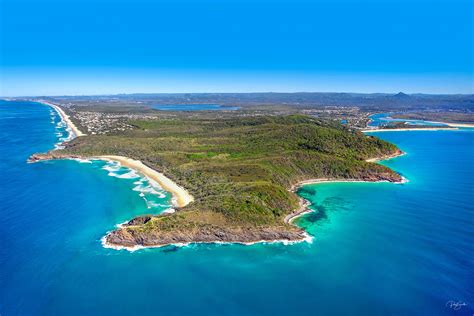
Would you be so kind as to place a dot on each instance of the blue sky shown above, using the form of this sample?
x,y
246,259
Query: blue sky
x,y
125,46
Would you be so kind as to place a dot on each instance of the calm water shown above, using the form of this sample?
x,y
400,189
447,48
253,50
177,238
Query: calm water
x,y
194,107
379,249
385,118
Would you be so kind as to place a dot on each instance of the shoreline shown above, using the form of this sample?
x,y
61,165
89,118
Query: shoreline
x,y
462,125
386,157
181,196
303,209
304,204
306,238
65,118
376,130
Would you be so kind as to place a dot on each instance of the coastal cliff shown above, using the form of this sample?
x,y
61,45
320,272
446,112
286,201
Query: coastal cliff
x,y
51,155
129,236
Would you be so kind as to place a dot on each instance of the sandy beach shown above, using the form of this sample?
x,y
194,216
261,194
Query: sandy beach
x,y
460,125
65,118
387,157
451,128
181,197
304,209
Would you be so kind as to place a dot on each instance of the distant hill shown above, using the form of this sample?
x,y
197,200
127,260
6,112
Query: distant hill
x,y
401,95
301,100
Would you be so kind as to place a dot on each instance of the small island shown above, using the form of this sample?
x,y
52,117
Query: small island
x,y
233,178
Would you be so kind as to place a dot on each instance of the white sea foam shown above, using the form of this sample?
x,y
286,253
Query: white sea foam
x,y
132,174
83,160
308,239
112,167
168,210
143,188
154,184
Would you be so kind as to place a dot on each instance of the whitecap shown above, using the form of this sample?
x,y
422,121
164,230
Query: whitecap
x,y
168,211
154,184
112,167
129,175
149,189
80,160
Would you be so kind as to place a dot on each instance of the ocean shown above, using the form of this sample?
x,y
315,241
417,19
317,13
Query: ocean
x,y
378,248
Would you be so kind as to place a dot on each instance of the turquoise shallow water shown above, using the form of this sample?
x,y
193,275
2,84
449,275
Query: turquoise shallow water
x,y
385,118
379,249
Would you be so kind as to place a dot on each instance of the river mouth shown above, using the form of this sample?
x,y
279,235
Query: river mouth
x,y
385,119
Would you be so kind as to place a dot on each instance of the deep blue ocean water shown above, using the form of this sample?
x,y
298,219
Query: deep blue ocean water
x,y
378,249
194,107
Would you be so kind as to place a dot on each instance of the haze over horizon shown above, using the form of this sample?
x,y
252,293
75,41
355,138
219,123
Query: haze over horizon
x,y
112,47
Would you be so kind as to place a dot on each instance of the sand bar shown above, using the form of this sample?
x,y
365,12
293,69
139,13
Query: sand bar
x,y
181,197
465,125
409,129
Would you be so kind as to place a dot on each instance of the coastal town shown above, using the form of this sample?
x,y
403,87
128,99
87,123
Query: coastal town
x,y
106,115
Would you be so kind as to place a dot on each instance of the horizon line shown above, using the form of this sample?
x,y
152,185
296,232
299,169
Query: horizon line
x,y
240,92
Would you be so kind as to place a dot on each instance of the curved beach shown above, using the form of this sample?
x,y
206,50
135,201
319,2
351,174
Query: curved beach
x,y
304,204
181,197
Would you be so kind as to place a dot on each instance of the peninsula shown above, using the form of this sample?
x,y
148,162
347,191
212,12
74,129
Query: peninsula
x,y
233,178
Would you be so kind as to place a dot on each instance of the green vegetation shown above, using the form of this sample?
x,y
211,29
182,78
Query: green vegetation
x,y
240,170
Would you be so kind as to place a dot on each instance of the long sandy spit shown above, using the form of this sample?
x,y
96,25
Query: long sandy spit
x,y
409,129
65,118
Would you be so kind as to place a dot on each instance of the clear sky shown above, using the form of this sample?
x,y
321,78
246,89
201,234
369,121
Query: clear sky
x,y
125,46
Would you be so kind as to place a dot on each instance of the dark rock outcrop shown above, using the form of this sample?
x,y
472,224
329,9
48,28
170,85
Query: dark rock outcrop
x,y
129,237
140,220
51,155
